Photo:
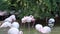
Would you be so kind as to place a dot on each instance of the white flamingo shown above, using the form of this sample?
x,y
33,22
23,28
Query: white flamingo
x,y
43,30
6,24
15,24
20,32
14,29
7,21
12,18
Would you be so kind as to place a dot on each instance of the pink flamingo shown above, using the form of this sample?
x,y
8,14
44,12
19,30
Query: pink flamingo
x,y
43,30
28,19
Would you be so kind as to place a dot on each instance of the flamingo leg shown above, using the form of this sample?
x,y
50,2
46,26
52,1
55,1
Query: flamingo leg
x,y
33,24
28,28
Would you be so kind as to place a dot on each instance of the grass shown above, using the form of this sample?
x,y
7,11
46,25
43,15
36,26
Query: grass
x,y
56,30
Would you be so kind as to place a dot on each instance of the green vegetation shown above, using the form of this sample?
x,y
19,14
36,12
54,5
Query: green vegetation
x,y
38,8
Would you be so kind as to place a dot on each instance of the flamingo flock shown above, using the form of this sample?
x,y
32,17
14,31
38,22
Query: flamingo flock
x,y
11,22
14,26
43,30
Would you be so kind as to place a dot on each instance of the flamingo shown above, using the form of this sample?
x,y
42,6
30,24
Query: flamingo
x,y
28,19
38,26
43,30
21,32
14,29
6,24
12,18
15,24
7,21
